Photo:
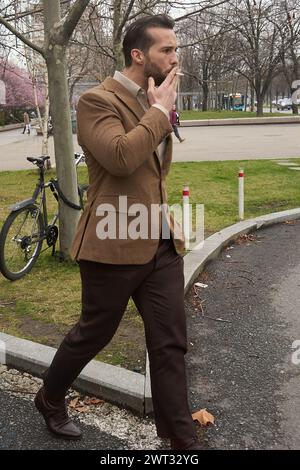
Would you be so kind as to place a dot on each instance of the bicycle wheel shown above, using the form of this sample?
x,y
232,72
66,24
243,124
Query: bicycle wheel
x,y
21,240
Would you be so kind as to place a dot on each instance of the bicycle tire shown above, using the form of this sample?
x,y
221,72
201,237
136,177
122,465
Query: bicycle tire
x,y
22,245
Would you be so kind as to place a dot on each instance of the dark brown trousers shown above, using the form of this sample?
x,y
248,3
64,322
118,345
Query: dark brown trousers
x,y
157,290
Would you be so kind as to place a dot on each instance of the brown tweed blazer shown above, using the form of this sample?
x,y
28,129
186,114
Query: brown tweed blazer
x,y
120,142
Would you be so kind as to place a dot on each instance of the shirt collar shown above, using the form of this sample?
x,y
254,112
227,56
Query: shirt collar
x,y
130,85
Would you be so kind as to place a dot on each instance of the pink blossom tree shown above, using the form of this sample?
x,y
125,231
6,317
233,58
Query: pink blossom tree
x,y
19,87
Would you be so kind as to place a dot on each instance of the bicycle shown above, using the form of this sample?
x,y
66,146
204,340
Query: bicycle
x,y
26,227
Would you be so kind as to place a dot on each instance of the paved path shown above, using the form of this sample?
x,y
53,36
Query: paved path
x,y
15,147
238,142
201,144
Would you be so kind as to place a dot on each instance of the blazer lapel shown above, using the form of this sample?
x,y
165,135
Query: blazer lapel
x,y
123,94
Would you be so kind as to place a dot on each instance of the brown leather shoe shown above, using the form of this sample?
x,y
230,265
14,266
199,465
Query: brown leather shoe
x,y
56,416
192,444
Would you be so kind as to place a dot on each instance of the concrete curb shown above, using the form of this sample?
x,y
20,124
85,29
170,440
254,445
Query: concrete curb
x,y
240,121
195,260
115,384
11,127
112,383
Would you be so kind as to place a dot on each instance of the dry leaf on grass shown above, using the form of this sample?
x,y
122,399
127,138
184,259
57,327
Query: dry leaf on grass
x,y
203,417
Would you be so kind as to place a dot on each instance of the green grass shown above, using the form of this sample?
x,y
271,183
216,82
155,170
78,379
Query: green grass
x,y
191,115
268,188
47,302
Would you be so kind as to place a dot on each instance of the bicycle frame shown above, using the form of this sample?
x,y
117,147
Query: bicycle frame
x,y
40,189
27,225
41,186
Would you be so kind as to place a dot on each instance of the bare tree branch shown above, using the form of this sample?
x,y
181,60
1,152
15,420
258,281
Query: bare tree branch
x,y
22,37
200,10
73,17
127,13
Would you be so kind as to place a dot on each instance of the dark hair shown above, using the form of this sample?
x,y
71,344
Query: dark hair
x,y
137,37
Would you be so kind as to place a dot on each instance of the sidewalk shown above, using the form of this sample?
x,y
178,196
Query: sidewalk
x,y
239,360
210,122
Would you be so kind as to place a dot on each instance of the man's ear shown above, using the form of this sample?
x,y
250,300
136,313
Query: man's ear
x,y
137,56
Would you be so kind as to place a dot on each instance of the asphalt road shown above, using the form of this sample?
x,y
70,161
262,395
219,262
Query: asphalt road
x,y
201,144
19,419
241,363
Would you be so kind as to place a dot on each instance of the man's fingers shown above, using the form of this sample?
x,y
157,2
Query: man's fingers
x,y
171,75
174,82
151,83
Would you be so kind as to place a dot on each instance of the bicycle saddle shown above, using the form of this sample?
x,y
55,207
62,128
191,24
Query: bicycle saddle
x,y
38,160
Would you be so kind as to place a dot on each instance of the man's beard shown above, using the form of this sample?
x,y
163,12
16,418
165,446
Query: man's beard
x,y
151,70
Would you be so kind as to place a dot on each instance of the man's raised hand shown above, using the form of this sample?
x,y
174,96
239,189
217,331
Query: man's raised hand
x,y
165,94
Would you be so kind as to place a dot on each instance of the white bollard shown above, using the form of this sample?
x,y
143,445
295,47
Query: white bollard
x,y
241,194
186,214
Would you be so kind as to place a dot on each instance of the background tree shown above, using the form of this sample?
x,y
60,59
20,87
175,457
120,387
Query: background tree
x,y
257,44
288,23
57,33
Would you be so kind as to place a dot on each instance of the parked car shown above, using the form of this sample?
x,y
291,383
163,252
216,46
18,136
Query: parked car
x,y
284,103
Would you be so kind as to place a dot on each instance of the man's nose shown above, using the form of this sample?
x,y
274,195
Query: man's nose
x,y
175,60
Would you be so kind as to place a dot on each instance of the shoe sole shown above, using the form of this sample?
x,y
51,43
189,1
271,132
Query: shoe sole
x,y
61,436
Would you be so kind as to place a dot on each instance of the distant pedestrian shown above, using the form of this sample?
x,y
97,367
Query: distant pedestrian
x,y
174,120
26,120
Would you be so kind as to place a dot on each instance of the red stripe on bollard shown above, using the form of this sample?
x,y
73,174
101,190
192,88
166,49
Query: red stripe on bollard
x,y
186,191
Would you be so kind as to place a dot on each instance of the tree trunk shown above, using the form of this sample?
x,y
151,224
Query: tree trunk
x,y
118,54
45,141
260,104
246,96
205,96
251,98
62,131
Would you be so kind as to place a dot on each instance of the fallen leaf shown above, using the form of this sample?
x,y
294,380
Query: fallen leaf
x,y
203,417
73,403
82,409
93,401
290,222
244,238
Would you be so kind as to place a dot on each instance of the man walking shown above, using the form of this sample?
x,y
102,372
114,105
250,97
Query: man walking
x,y
124,130
174,120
